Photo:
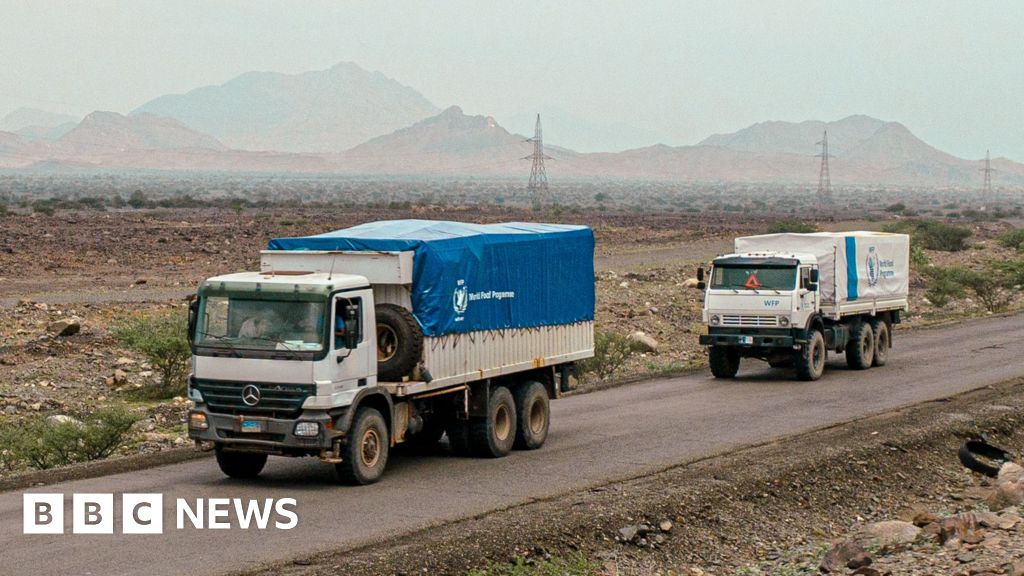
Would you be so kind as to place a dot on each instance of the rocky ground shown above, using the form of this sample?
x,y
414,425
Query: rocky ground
x,y
99,267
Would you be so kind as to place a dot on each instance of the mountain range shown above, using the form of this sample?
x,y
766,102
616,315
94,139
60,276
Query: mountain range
x,y
351,121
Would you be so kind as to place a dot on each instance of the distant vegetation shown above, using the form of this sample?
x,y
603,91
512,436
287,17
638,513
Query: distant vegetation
x,y
611,351
791,226
932,235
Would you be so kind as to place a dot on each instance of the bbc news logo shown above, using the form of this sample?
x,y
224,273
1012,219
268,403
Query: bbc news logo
x,y
144,514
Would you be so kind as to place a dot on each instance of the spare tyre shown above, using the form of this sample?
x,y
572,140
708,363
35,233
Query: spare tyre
x,y
399,342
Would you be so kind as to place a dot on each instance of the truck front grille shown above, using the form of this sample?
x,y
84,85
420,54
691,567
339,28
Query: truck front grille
x,y
764,320
275,400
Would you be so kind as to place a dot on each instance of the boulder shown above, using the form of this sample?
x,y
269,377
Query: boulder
x,y
691,283
846,554
644,342
65,327
58,419
887,533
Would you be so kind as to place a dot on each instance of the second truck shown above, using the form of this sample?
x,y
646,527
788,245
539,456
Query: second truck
x,y
789,299
346,344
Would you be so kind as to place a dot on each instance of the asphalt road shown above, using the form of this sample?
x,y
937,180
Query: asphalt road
x,y
595,438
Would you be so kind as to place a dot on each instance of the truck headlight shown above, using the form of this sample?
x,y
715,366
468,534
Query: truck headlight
x,y
783,320
715,320
197,421
307,428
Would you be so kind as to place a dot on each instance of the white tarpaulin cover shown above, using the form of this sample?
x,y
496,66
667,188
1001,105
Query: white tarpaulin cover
x,y
853,265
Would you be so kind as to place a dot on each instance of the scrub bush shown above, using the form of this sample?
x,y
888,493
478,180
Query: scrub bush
x,y
1013,239
791,226
163,340
611,351
932,235
39,444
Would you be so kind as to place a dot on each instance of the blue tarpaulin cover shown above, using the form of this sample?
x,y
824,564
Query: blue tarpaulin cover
x,y
469,277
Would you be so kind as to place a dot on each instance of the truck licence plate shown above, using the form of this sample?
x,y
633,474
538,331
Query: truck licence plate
x,y
746,339
252,426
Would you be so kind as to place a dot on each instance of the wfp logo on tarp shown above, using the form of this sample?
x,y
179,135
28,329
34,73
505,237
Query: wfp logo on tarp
x,y
460,298
877,267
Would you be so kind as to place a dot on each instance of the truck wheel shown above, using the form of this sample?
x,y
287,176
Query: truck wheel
x,y
240,464
725,361
493,435
534,415
881,330
365,454
399,342
810,361
860,350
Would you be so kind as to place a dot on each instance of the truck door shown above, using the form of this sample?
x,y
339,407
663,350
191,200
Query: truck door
x,y
808,297
352,345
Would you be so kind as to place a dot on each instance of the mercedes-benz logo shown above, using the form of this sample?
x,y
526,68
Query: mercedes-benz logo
x,y
251,395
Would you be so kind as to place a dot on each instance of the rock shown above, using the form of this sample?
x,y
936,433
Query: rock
x,y
145,425
1006,494
1014,569
644,342
966,557
922,519
867,571
973,537
665,525
124,361
690,283
887,533
120,376
65,327
628,533
10,410
846,554
58,419
1010,472
1008,521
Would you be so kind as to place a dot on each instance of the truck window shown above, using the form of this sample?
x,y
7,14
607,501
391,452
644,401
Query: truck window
x,y
241,323
753,278
343,327
805,277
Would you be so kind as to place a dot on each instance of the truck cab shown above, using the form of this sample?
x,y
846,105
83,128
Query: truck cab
x,y
277,357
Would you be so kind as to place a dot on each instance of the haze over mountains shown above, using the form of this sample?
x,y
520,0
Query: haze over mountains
x,y
324,111
348,120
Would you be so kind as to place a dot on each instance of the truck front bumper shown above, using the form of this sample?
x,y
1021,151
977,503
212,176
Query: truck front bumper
x,y
754,338
262,434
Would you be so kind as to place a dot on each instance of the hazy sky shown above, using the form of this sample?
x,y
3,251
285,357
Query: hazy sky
x,y
951,71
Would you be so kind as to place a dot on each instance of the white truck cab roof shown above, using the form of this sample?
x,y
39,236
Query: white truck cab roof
x,y
287,281
802,257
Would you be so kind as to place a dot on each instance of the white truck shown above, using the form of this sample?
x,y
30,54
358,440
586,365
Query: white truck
x,y
348,343
789,299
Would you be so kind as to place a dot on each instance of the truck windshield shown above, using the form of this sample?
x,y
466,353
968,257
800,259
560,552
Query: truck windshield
x,y
753,278
240,323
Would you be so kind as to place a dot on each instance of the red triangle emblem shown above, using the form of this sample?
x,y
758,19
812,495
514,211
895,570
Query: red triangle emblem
x,y
752,282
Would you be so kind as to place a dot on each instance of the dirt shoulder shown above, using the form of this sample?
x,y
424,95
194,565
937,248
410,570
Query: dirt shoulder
x,y
729,513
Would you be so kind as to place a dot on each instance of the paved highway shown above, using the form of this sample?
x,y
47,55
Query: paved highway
x,y
595,438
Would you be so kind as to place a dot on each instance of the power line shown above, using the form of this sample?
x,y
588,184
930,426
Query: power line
x,y
538,186
824,178
988,170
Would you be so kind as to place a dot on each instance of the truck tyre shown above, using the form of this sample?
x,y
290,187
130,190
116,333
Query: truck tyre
x,y
533,410
399,342
493,435
860,350
725,361
881,330
240,464
365,453
810,361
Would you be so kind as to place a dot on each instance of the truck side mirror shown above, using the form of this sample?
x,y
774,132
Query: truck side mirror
x,y
814,276
812,286
700,274
193,317
352,335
